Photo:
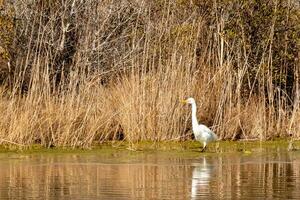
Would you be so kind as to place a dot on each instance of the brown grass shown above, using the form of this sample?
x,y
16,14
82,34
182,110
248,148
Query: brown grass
x,y
151,63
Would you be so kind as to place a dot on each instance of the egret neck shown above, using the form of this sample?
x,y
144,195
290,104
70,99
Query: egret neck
x,y
194,116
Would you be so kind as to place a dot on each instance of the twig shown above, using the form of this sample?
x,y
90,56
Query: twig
x,y
7,141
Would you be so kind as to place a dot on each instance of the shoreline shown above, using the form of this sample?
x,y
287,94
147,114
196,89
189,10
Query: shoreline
x,y
167,146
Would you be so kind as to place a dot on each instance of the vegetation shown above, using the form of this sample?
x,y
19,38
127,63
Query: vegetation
x,y
77,73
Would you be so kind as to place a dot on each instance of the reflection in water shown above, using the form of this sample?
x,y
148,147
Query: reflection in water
x,y
262,175
200,178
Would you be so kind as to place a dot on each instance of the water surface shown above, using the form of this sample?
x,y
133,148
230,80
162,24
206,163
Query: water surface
x,y
261,174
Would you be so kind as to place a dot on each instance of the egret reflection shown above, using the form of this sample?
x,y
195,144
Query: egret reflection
x,y
200,178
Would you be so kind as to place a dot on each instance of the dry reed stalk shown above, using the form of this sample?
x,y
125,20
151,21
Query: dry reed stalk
x,y
129,69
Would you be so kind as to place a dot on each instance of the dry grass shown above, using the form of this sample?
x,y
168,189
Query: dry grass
x,y
125,80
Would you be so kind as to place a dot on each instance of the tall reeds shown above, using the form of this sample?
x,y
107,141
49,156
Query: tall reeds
x,y
98,71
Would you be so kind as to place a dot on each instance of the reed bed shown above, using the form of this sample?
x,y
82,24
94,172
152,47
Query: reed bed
x,y
88,72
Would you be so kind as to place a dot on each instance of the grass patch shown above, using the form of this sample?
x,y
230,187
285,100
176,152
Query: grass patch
x,y
181,148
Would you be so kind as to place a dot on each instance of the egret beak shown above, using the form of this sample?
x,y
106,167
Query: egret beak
x,y
183,101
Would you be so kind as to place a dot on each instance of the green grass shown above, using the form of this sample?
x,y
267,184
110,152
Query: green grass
x,y
182,148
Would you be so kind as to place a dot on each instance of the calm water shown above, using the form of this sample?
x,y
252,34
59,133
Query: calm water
x,y
130,175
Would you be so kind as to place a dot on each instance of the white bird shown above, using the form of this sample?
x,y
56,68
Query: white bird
x,y
202,133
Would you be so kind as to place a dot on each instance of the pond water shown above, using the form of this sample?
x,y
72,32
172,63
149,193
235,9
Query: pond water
x,y
260,174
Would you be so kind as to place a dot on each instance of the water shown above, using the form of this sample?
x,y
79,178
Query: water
x,y
135,175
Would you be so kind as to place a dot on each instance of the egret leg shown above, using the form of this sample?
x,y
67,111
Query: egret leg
x,y
204,147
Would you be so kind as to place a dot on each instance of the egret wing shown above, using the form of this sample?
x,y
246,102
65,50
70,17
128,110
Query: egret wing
x,y
208,132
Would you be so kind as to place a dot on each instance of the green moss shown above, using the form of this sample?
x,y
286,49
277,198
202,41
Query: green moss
x,y
182,148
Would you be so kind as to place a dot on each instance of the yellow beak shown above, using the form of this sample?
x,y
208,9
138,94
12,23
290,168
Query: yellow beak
x,y
183,101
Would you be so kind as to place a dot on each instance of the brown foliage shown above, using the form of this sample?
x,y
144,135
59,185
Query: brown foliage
x,y
90,71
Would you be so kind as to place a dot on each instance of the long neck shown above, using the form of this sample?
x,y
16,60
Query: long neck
x,y
194,116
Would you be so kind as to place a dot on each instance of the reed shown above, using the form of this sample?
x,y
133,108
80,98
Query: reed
x,y
85,73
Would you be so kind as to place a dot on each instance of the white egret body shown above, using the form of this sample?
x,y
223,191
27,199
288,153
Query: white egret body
x,y
202,133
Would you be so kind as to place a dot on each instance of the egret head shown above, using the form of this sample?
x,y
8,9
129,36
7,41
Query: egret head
x,y
189,100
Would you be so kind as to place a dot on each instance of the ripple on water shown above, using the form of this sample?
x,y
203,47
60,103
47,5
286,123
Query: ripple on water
x,y
151,176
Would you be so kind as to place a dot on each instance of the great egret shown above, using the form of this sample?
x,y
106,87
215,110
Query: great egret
x,y
202,133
